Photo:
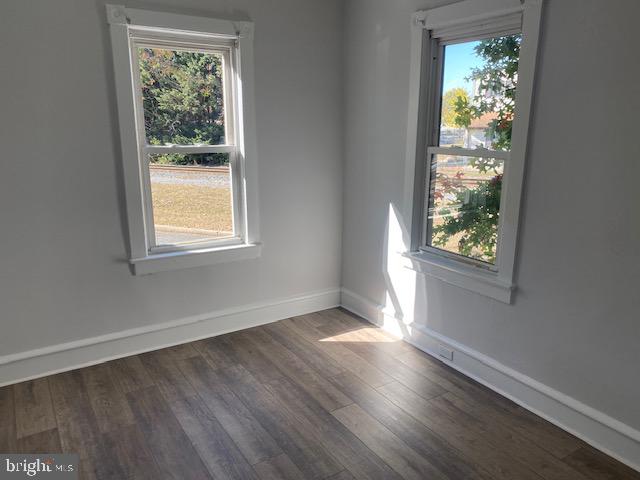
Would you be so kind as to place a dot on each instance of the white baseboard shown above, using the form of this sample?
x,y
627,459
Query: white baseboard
x,y
603,432
90,351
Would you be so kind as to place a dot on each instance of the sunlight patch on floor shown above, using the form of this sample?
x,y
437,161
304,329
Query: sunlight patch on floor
x,y
362,335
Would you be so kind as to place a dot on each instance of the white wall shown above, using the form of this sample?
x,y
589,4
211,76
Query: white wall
x,y
63,271
574,325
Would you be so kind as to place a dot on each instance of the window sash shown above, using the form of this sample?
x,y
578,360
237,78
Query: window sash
x,y
461,258
201,44
469,152
216,48
186,149
465,152
236,212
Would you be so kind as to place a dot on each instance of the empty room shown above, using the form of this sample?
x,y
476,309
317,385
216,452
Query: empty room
x,y
320,239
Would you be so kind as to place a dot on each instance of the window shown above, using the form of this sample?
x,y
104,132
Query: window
x,y
472,140
473,81
184,101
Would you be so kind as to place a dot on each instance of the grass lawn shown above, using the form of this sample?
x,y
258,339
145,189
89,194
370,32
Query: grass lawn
x,y
192,206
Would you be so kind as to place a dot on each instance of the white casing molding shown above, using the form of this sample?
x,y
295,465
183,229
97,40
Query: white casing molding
x,y
131,28
40,362
598,429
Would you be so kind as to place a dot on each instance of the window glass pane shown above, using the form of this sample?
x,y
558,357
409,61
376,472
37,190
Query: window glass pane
x,y
464,204
182,96
478,93
191,197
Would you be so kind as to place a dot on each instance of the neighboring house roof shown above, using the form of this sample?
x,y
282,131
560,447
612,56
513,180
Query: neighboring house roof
x,y
484,120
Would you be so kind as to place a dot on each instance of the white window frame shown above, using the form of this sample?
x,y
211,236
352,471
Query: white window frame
x,y
132,28
430,29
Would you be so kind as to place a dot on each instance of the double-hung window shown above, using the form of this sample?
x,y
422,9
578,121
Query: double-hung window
x,y
473,79
185,109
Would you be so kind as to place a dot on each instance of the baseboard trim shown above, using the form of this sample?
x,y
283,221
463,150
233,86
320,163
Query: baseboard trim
x,y
40,362
601,431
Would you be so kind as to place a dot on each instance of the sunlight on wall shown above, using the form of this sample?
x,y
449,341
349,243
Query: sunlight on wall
x,y
399,305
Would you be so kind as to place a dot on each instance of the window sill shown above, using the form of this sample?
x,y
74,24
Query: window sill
x,y
163,262
471,278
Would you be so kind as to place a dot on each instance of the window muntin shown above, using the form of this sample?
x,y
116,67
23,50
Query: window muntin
x,y
472,139
186,132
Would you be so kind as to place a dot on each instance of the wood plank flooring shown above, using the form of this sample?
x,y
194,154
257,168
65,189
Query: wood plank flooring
x,y
320,396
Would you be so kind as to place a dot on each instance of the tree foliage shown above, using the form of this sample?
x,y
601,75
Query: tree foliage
x,y
183,101
476,221
450,101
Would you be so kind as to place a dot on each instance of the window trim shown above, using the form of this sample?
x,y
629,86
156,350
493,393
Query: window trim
x,y
128,26
464,21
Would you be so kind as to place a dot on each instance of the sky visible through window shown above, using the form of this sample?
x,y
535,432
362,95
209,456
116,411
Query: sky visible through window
x,y
459,60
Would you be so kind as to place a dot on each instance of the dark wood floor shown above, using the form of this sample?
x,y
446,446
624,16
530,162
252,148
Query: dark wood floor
x,y
318,396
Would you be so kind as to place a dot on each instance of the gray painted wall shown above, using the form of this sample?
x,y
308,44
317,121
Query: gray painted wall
x,y
575,322
63,274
